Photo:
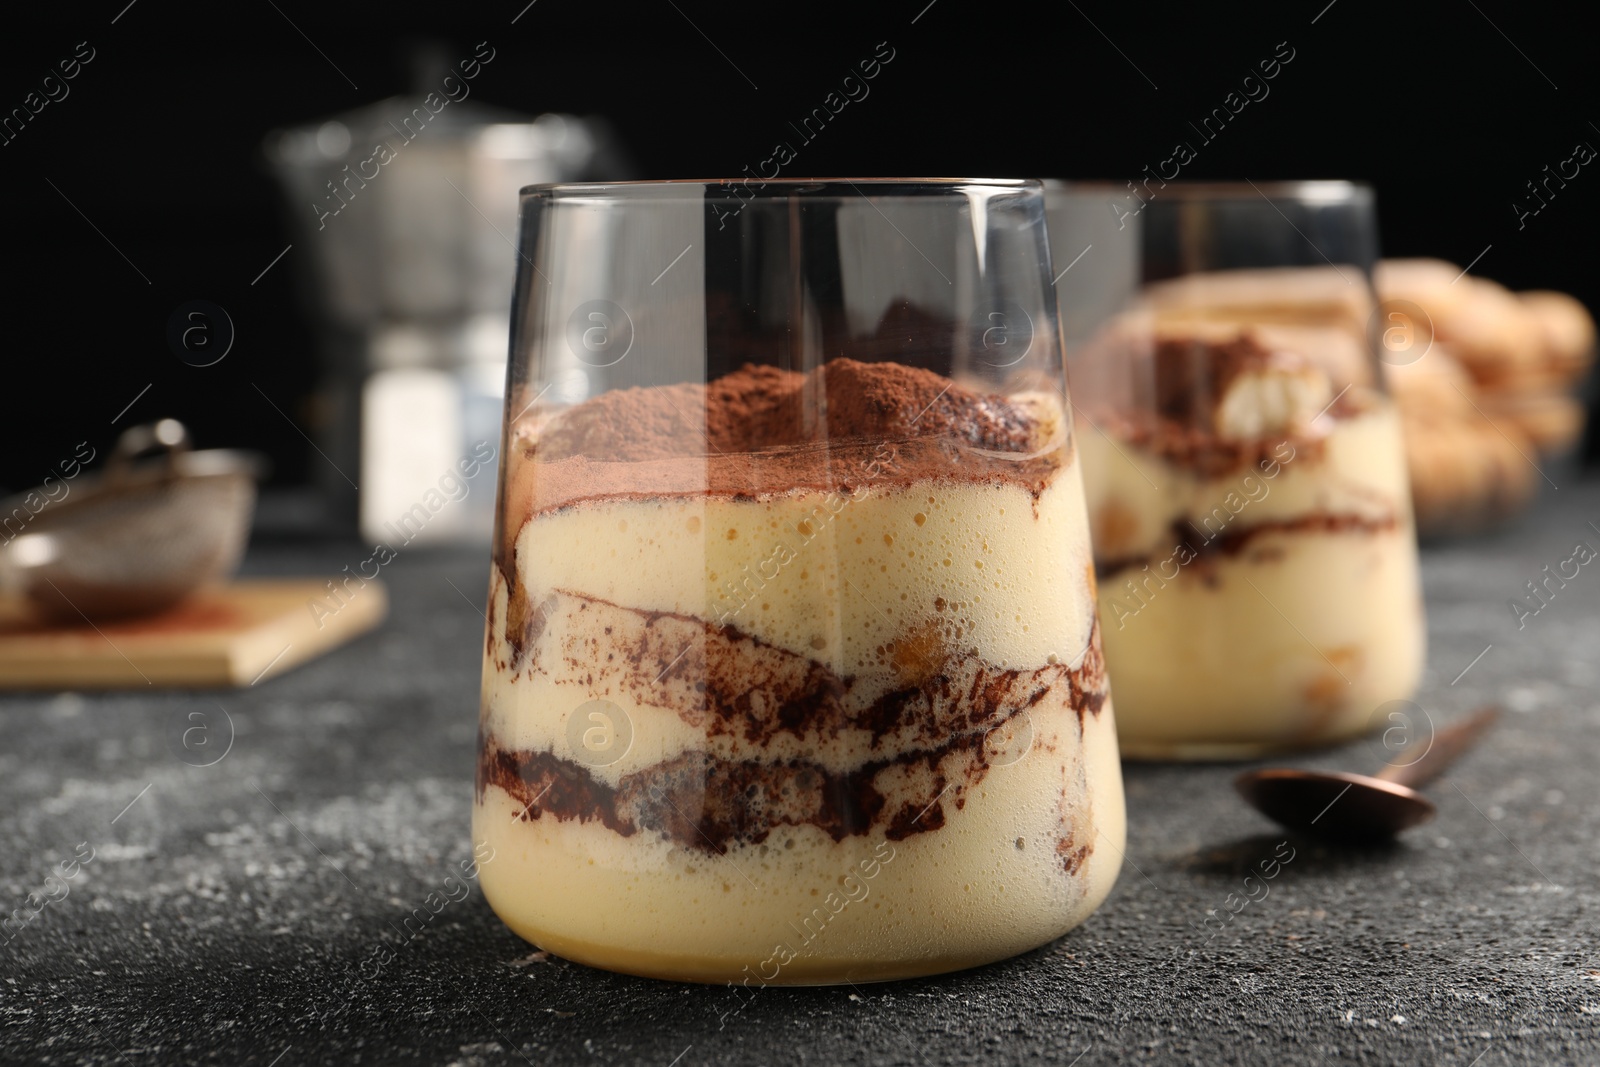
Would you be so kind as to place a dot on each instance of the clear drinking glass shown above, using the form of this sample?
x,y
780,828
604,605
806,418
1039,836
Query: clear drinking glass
x,y
1244,468
791,671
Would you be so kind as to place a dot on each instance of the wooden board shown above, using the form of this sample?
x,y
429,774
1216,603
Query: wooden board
x,y
231,635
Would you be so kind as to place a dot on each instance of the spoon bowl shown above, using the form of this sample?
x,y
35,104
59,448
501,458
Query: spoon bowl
x,y
1351,807
1359,807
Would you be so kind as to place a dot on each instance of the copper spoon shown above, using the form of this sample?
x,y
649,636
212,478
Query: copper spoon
x,y
1359,807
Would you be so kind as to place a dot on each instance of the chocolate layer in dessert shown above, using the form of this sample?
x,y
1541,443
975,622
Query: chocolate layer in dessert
x,y
1174,396
942,720
762,430
1224,413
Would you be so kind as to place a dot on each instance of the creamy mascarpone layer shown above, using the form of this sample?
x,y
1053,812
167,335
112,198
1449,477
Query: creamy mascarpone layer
x,y
1012,573
832,576
1301,613
988,884
1298,642
1355,467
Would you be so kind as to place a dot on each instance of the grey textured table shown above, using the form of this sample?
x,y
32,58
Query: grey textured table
x,y
252,911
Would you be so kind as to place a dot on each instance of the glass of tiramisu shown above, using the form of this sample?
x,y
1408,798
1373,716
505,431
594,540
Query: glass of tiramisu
x,y
1244,468
792,672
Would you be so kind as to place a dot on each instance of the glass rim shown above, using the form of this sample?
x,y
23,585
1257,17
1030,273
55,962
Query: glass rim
x,y
760,187
1311,191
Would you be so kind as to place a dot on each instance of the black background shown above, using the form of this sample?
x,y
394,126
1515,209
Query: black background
x,y
1448,109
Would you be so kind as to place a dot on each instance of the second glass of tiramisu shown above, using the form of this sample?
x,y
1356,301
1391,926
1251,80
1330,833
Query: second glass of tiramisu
x,y
1246,476
792,671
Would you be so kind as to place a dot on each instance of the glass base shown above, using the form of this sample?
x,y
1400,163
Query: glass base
x,y
1160,751
1201,751
706,970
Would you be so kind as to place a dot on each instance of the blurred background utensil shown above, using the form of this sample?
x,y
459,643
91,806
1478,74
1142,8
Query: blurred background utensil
x,y
407,209
1359,807
161,521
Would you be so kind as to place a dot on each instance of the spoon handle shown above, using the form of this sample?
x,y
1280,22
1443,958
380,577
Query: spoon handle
x,y
1447,746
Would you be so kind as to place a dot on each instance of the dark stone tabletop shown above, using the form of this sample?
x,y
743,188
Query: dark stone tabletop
x,y
251,911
